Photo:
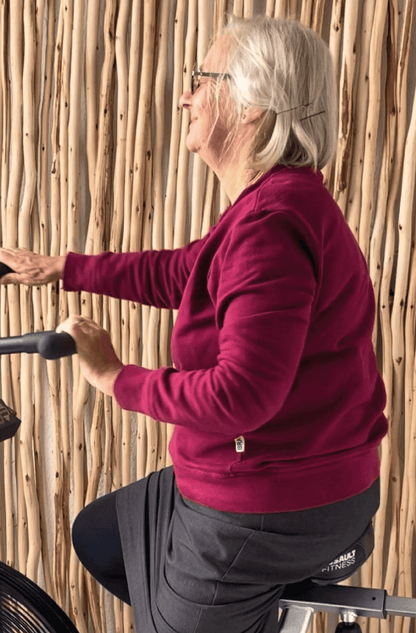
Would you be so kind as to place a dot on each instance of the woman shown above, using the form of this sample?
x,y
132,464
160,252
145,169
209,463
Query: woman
x,y
275,394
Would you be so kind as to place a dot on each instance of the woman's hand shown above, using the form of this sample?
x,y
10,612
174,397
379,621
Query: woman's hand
x,y
98,360
30,268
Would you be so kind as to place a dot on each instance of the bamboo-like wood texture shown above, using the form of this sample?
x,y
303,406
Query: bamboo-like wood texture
x,y
93,158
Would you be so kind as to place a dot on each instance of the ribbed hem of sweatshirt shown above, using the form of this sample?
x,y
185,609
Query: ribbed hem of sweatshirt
x,y
280,490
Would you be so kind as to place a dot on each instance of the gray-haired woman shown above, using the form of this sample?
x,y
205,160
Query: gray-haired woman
x,y
275,394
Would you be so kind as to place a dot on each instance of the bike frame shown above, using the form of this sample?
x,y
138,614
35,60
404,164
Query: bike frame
x,y
345,601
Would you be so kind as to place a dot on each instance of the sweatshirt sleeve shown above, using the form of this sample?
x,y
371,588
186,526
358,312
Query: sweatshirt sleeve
x,y
155,278
266,288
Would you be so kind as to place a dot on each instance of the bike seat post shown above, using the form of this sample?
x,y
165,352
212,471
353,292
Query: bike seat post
x,y
295,619
348,623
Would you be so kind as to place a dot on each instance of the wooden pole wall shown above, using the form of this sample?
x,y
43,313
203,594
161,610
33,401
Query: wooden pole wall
x,y
93,158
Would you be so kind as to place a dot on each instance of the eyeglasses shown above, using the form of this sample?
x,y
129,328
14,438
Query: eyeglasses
x,y
195,74
199,73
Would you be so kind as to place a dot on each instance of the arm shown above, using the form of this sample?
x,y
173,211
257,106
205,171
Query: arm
x,y
264,299
156,278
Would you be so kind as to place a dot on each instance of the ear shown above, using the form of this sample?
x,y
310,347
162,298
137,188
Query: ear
x,y
251,115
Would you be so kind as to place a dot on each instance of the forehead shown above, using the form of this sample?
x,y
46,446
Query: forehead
x,y
216,58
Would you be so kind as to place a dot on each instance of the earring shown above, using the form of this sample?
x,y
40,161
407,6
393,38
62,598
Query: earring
x,y
243,116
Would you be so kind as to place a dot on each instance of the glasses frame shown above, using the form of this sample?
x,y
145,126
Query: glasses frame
x,y
200,73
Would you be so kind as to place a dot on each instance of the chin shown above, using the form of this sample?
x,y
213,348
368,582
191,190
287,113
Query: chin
x,y
191,145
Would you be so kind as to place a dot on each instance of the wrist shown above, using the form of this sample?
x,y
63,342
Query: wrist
x,y
107,379
60,266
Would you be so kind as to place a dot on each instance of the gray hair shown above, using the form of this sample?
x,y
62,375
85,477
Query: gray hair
x,y
287,70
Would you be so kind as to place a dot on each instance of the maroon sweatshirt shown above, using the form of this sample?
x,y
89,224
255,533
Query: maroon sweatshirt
x,y
275,392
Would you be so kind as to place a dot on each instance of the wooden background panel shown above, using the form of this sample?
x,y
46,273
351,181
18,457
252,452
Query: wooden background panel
x,y
93,158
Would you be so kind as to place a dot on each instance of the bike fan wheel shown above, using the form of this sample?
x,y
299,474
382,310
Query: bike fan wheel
x,y
26,608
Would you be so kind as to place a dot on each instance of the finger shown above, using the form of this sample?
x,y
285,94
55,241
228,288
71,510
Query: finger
x,y
7,255
73,323
66,326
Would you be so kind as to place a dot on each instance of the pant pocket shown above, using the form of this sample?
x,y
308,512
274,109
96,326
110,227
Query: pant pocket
x,y
200,551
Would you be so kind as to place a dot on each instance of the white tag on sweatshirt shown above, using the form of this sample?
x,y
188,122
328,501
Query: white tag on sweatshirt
x,y
240,444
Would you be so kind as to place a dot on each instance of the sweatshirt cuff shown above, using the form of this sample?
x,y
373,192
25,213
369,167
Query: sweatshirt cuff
x,y
74,271
128,387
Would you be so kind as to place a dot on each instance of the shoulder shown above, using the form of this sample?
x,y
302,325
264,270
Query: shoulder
x,y
298,189
292,199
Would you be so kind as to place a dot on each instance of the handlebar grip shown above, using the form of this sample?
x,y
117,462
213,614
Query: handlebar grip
x,y
4,269
56,345
50,345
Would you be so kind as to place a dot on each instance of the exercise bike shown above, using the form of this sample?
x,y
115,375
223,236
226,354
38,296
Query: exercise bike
x,y
22,602
25,607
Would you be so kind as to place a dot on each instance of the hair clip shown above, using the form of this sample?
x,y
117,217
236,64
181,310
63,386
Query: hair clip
x,y
306,105
311,115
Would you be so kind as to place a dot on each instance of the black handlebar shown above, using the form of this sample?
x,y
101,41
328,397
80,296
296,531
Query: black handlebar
x,y
4,269
50,345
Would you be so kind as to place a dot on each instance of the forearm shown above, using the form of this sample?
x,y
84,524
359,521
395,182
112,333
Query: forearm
x,y
156,278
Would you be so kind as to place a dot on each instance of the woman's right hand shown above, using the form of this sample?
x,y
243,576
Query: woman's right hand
x,y
30,268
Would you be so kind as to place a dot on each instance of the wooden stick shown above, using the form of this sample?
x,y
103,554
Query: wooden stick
x,y
406,510
387,159
122,112
405,237
43,318
91,46
74,124
270,8
6,390
175,124
370,153
318,12
122,432
383,215
119,218
398,347
5,119
220,8
388,263
150,325
26,433
248,8
8,551
352,211
335,42
69,242
199,167
238,8
10,239
376,275
149,21
92,488
158,198
346,101
306,13
182,182
60,561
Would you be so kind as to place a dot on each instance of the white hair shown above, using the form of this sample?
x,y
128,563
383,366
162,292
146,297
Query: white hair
x,y
287,70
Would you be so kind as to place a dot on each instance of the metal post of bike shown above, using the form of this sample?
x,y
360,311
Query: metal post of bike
x,y
348,602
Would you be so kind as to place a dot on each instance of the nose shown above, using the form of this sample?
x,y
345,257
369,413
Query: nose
x,y
185,100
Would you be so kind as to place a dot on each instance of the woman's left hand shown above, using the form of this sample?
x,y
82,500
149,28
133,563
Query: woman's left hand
x,y
98,360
